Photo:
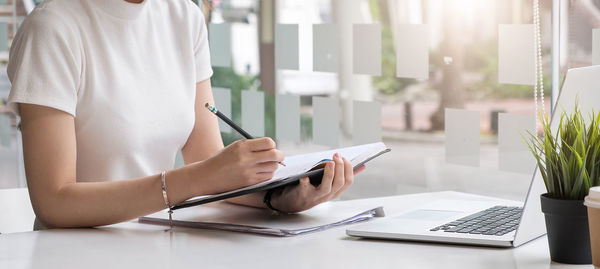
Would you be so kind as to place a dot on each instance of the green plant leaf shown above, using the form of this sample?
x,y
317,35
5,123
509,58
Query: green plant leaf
x,y
568,160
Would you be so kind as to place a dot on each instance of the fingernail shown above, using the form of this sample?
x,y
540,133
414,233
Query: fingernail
x,y
336,155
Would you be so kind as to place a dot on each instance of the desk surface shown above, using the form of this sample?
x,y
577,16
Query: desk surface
x,y
16,214
135,245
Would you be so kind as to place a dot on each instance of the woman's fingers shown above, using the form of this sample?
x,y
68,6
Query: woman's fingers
x,y
348,172
305,182
271,155
325,186
348,177
260,177
306,189
338,177
359,169
267,167
259,144
333,178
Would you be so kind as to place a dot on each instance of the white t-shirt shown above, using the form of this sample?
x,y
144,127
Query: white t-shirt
x,y
126,72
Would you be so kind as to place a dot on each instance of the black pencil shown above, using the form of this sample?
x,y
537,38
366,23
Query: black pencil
x,y
229,122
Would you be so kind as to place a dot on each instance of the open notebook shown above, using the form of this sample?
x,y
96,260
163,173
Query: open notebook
x,y
297,167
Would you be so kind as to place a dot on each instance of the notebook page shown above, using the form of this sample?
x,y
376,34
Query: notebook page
x,y
302,163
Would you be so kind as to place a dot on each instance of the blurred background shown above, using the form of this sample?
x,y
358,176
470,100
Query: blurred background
x,y
463,74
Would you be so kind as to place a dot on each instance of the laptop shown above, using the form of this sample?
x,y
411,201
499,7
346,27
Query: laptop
x,y
489,221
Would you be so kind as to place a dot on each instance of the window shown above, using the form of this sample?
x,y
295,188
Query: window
x,y
12,173
459,38
461,72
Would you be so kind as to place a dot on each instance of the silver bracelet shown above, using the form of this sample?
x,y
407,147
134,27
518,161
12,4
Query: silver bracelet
x,y
163,179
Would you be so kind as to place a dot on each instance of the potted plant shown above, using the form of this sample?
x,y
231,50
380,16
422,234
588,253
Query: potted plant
x,y
569,162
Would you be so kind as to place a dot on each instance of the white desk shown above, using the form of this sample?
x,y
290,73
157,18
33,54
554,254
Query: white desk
x,y
135,245
16,214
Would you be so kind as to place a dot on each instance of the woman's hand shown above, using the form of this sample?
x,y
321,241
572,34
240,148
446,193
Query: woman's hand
x,y
337,177
242,163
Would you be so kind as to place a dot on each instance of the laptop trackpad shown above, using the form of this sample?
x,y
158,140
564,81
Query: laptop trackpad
x,y
429,215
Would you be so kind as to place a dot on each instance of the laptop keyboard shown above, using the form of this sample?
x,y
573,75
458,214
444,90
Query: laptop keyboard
x,y
497,220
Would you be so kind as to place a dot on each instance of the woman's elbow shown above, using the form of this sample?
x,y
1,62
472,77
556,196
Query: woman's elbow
x,y
52,215
47,218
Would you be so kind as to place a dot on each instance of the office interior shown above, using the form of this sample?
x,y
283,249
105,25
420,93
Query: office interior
x,y
443,83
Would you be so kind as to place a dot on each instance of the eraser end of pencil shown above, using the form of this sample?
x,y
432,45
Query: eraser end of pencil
x,y
207,105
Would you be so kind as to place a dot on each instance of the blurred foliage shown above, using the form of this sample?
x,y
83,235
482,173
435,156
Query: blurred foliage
x,y
568,157
305,119
226,77
270,115
305,127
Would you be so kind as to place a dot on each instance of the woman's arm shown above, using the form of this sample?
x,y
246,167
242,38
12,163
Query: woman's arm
x,y
205,140
50,154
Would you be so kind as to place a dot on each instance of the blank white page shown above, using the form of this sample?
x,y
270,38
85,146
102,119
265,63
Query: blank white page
x,y
301,163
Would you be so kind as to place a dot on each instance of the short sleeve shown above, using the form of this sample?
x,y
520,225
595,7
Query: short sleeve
x,y
201,48
44,64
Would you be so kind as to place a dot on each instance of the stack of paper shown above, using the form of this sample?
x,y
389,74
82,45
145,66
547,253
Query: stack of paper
x,y
230,217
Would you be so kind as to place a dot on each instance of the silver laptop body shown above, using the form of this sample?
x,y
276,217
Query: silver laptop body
x,y
420,223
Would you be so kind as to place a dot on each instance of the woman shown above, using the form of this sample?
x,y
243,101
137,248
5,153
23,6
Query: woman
x,y
108,91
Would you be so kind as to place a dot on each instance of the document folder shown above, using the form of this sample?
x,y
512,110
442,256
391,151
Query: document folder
x,y
264,230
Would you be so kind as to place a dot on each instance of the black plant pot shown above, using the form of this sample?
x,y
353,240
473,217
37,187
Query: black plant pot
x,y
568,231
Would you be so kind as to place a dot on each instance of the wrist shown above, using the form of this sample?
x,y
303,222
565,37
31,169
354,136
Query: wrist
x,y
267,200
198,185
178,185
276,201
204,178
